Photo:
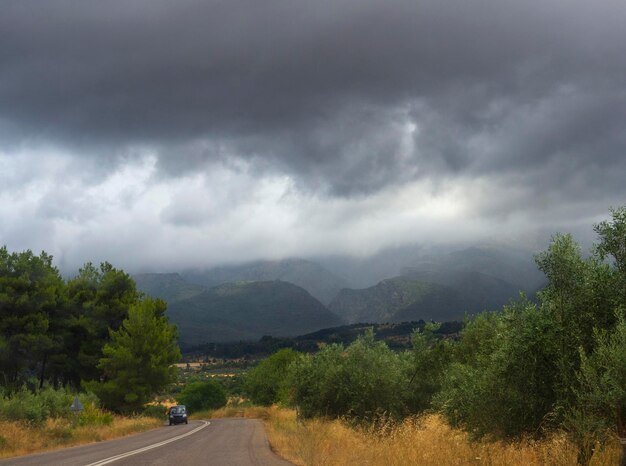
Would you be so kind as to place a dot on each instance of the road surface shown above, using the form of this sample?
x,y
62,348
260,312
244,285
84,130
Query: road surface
x,y
219,442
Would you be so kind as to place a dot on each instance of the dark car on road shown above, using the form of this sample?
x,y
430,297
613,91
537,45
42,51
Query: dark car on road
x,y
178,414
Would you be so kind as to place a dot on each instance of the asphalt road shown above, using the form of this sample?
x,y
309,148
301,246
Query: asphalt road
x,y
219,442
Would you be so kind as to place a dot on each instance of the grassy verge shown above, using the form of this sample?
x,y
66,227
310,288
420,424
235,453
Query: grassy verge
x,y
418,441
21,437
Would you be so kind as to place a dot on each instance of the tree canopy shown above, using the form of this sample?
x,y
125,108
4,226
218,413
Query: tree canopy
x,y
95,330
138,361
266,384
199,396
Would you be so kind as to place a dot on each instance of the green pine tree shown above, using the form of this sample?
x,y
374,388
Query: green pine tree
x,y
138,361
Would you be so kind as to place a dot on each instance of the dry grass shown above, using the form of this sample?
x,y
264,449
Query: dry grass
x,y
20,438
418,441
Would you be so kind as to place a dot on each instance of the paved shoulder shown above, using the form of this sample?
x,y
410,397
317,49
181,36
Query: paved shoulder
x,y
221,442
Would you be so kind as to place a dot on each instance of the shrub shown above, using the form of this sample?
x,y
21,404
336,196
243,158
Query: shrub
x,y
156,411
202,395
93,416
503,386
36,407
266,383
363,382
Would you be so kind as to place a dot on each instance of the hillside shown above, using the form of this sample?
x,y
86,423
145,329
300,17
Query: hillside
x,y
168,286
509,268
318,281
247,311
478,291
398,299
395,335
515,266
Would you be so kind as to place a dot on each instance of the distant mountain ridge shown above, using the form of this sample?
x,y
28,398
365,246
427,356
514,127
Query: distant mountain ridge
x,y
478,291
515,266
317,280
248,311
442,287
509,267
398,299
428,284
170,287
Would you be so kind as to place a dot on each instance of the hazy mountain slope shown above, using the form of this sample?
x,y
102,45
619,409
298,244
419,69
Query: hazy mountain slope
x,y
397,299
478,291
444,305
320,282
438,295
168,286
363,272
249,310
512,265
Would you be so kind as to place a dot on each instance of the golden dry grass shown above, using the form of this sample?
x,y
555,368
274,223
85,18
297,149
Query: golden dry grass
x,y
427,441
20,438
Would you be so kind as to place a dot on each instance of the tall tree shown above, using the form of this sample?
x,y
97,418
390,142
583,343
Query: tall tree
x,y
612,235
31,298
138,361
600,407
100,299
580,296
601,394
431,357
502,383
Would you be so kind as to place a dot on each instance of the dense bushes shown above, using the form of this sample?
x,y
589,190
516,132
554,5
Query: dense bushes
x,y
36,407
503,381
157,411
363,381
199,396
366,380
266,384
531,368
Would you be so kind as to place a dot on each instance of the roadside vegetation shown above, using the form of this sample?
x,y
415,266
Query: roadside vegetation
x,y
94,332
535,374
22,438
93,336
42,420
426,440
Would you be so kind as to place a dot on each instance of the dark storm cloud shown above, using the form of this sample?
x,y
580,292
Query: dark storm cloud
x,y
347,96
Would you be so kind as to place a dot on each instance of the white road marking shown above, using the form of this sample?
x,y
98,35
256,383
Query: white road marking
x,y
149,447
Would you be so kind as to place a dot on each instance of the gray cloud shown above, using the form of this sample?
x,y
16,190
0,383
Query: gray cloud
x,y
347,98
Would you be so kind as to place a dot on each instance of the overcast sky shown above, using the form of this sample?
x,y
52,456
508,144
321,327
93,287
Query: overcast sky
x,y
161,135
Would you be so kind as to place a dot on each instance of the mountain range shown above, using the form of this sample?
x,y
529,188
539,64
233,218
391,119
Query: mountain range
x,y
317,280
295,296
